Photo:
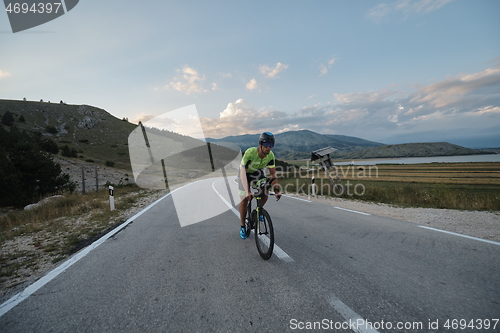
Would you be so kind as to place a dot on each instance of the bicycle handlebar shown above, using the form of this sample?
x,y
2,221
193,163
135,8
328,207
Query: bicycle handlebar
x,y
263,185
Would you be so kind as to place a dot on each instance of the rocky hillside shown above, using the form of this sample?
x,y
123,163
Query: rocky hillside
x,y
96,135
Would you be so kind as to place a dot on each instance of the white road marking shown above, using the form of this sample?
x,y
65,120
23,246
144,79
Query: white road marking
x,y
460,235
289,196
19,297
352,211
277,250
348,210
360,325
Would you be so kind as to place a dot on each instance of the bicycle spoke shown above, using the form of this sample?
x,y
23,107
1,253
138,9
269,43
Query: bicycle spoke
x,y
264,236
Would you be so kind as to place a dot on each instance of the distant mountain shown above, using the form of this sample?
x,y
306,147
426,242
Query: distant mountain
x,y
428,149
299,144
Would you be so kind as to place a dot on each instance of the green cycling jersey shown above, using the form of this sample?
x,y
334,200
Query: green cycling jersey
x,y
252,162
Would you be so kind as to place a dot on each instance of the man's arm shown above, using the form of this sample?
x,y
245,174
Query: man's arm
x,y
272,172
244,180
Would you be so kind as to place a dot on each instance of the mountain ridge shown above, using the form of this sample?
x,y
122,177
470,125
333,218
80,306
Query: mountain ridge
x,y
348,147
99,136
418,149
299,144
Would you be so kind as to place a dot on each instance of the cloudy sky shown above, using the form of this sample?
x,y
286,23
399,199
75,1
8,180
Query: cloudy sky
x,y
388,71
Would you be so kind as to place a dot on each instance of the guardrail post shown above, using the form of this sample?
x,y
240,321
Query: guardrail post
x,y
111,198
313,186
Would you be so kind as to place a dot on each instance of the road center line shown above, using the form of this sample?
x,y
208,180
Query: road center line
x,y
360,325
277,250
352,211
289,196
460,235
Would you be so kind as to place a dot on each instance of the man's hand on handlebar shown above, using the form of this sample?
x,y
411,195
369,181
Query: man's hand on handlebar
x,y
277,194
249,196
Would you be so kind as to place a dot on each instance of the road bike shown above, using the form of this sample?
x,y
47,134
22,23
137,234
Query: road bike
x,y
260,221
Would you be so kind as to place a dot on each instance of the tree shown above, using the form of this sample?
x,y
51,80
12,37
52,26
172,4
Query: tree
x,y
27,172
66,151
8,118
11,191
39,174
51,129
49,146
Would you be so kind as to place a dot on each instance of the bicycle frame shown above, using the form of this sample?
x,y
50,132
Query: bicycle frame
x,y
262,187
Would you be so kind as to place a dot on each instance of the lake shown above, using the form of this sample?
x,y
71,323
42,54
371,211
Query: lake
x,y
418,160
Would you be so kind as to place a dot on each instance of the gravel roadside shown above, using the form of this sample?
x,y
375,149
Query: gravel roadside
x,y
479,224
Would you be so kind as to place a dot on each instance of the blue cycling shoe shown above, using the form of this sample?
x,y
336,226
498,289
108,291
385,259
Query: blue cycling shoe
x,y
243,232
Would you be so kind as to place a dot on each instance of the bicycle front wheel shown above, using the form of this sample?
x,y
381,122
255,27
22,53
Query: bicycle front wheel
x,y
264,235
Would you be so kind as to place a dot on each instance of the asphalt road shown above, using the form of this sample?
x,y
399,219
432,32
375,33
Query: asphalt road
x,y
336,268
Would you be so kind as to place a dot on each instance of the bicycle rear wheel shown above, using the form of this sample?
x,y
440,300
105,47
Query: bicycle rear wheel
x,y
264,235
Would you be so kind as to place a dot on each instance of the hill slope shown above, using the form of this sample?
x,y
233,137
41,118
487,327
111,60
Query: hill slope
x,y
413,150
299,144
93,132
98,137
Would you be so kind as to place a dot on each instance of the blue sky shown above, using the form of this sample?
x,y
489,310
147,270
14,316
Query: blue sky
x,y
388,71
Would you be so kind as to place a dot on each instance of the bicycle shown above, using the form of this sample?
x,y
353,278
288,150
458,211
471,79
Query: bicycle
x,y
260,221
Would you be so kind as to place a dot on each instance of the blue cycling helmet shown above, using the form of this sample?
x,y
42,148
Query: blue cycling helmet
x,y
266,138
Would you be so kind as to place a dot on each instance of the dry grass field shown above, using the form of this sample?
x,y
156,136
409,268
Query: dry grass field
x,y
471,186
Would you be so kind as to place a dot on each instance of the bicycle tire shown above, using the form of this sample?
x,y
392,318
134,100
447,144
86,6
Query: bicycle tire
x,y
264,236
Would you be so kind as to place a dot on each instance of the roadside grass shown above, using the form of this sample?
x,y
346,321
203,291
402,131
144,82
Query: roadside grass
x,y
462,186
48,216
32,240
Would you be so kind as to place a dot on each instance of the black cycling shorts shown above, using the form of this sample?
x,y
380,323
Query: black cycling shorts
x,y
251,177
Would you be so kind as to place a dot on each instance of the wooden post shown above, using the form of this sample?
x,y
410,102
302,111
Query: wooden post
x,y
83,180
96,179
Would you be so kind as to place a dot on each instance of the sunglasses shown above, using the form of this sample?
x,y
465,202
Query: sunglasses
x,y
268,145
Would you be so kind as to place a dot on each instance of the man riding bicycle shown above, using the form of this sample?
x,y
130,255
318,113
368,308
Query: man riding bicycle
x,y
252,167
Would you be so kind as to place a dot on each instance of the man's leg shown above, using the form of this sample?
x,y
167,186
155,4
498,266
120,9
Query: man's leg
x,y
243,210
264,199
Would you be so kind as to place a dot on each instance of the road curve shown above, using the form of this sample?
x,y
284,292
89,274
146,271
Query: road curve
x,y
345,268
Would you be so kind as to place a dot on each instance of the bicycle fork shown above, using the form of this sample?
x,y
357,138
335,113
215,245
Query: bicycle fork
x,y
261,226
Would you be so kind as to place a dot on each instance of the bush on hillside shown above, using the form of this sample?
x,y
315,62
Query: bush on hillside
x,y
27,172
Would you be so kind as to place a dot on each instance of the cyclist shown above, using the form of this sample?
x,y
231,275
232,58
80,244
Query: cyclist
x,y
252,166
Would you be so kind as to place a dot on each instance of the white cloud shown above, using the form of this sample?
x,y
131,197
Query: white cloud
x,y
238,109
252,84
190,82
142,117
323,69
416,6
404,7
368,97
457,90
4,74
272,73
466,101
